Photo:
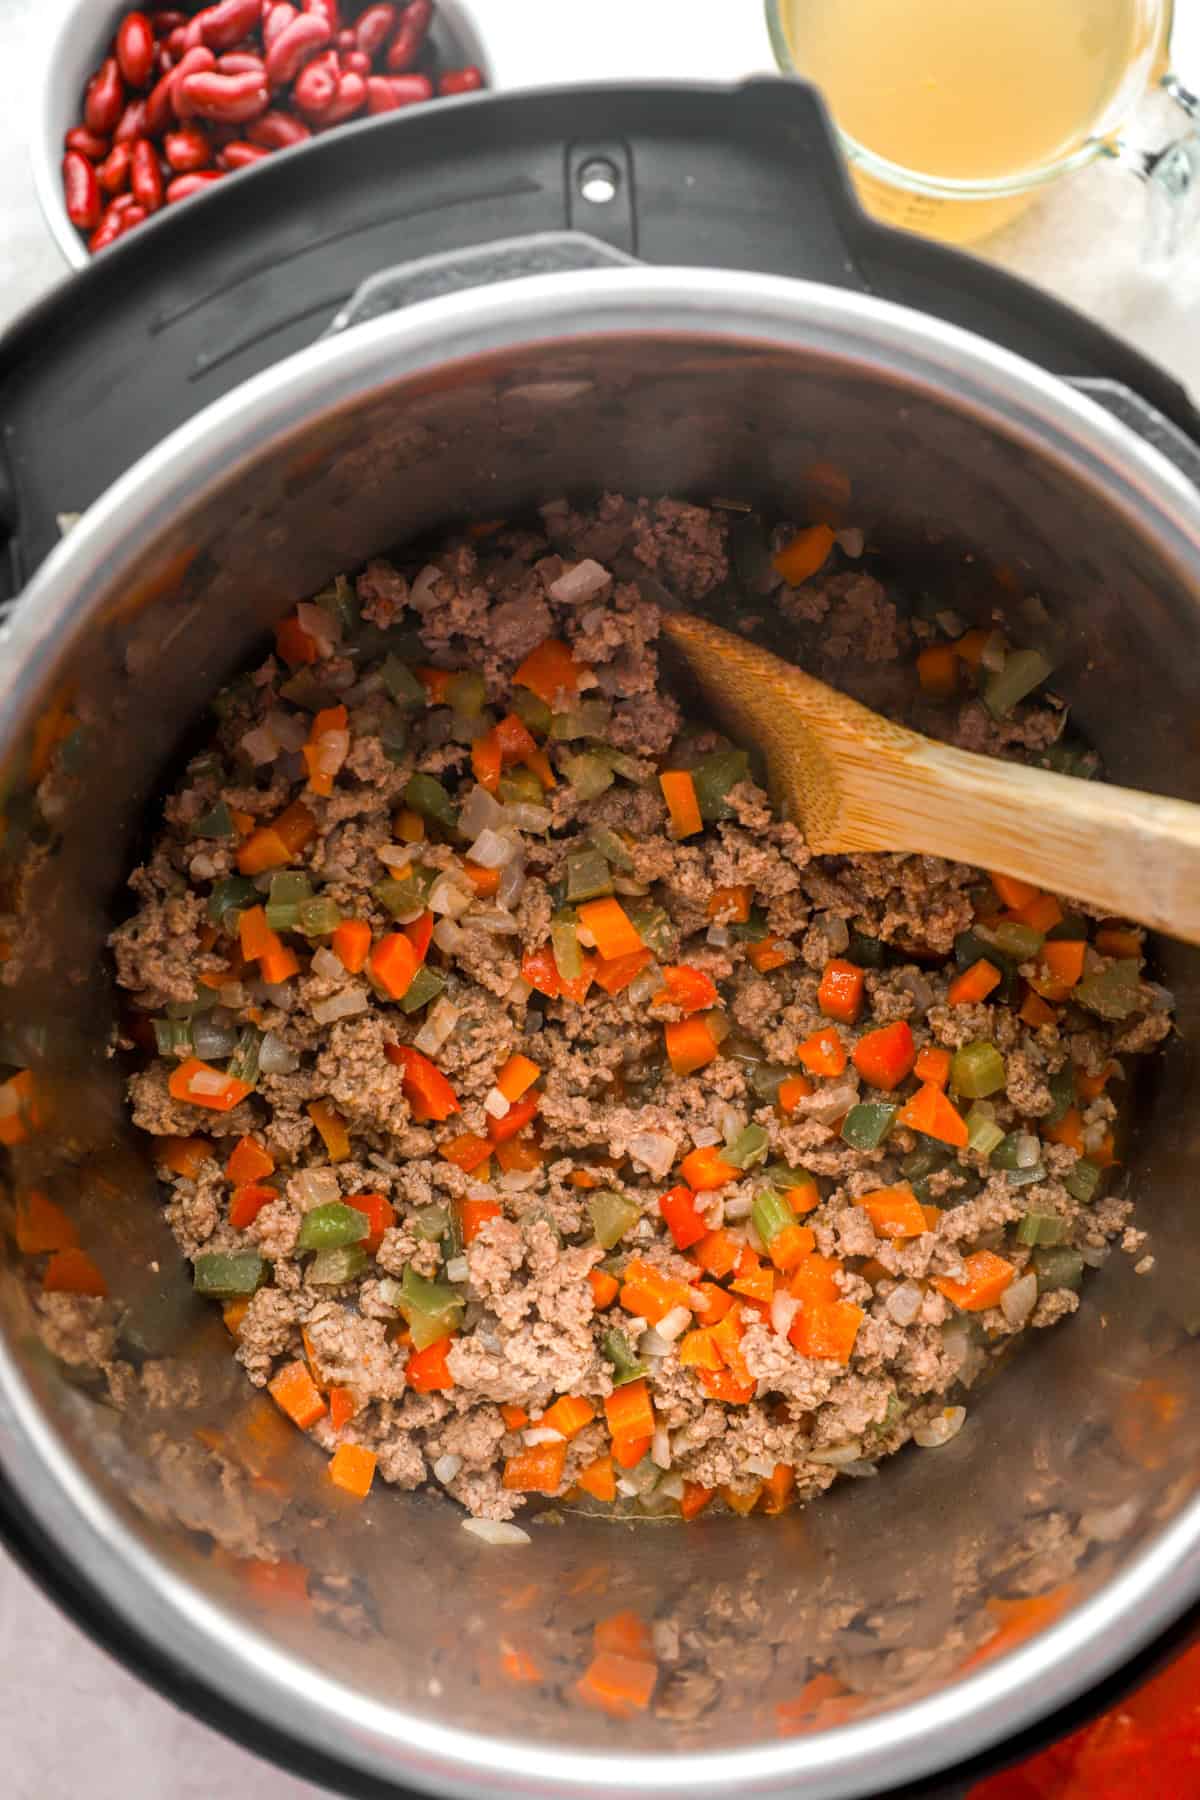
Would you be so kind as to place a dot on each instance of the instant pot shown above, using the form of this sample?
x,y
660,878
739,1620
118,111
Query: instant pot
x,y
465,312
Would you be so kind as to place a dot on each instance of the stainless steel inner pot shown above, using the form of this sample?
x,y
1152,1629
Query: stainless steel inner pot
x,y
698,384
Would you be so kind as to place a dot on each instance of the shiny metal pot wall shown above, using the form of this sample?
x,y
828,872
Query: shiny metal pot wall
x,y
1078,1461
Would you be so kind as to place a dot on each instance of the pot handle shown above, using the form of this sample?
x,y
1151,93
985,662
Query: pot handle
x,y
1130,410
456,271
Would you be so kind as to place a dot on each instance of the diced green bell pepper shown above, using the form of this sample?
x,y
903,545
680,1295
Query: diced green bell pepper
x,y
520,787
866,952
531,709
426,795
1041,1228
586,719
466,693
867,1125
1114,993
1083,1181
432,1308
232,894
611,848
228,1275
405,688
713,777
612,1215
747,1148
403,896
618,1351
333,1267
564,940
243,1064
1021,942
318,917
215,823
589,775
588,875
654,927
425,986
431,1223
329,1227
771,1214
1058,1268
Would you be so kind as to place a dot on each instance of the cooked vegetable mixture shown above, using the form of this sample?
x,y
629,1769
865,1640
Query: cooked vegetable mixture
x,y
545,1118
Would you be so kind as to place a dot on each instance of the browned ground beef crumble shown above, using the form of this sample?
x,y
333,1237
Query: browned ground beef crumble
x,y
608,1101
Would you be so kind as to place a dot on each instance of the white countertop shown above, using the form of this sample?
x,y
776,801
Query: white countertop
x,y
73,1723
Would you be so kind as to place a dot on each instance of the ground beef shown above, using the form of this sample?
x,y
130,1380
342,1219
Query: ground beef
x,y
483,1294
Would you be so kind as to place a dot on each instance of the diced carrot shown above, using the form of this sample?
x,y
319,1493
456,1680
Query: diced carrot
x,y
352,944
715,1302
1064,959
730,905
436,683
328,720
1013,892
487,763
343,1404
987,1275
886,1056
1042,913
758,1283
895,1212
932,1216
427,1371
974,984
569,1414
409,826
627,1452
823,1052
541,972
517,1077
611,928
678,1209
625,1634
1121,942
1090,1087
380,1215
196,1083
970,646
183,1156
519,1155
604,1286
933,1064
809,1707
723,1384
1034,1011
827,1332
540,763
352,1469
247,1202
332,1129
717,1254
1068,1130
792,1090
549,671
770,953
249,1161
690,1044
393,964
514,1416
243,824
72,1271
256,936
697,1351
937,670
42,1225
518,1665
474,1215
576,989
650,1294
695,1499
468,1152
704,1169
278,966
618,1685
514,1121
615,976
777,1490
813,1280
788,1246
804,554
296,1393
691,990
514,740
232,1313
840,995
598,1480
280,842
425,1087
537,1469
679,792
294,645
929,1111
629,1411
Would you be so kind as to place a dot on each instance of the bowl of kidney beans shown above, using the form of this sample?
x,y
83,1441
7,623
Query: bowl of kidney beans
x,y
145,108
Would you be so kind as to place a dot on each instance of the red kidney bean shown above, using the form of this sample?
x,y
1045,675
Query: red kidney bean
x,y
228,22
278,131
184,186
294,47
351,98
240,155
88,143
357,61
81,191
230,99
346,39
328,10
276,20
199,60
135,49
411,33
241,62
113,173
105,99
164,22
187,150
387,93
316,86
145,176
176,44
131,124
375,26
461,81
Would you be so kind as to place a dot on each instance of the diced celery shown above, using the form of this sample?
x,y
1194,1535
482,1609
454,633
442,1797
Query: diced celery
x,y
531,709
977,1070
611,848
318,917
230,895
1062,1089
619,762
308,691
425,986
431,1223
619,1353
586,719
243,1064
612,1215
654,927
426,795
782,1175
589,775
747,1148
331,1268
713,777
588,875
766,1079
1041,1228
564,939
228,1275
204,1002
926,1159
329,1227
466,692
771,1214
405,688
1019,941
1114,993
1058,1268
983,1133
1026,1177
1023,670
752,930
173,1037
1083,1181
520,787
403,896
215,823
341,603
867,1125
431,1308
1004,1156
289,890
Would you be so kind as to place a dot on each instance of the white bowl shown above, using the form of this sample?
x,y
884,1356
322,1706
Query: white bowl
x,y
75,46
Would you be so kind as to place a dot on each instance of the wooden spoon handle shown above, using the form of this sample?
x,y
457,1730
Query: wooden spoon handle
x,y
1136,855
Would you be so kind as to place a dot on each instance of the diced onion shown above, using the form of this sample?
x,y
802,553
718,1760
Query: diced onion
x,y
327,965
627,1488
851,541
580,583
319,625
739,1206
719,936
643,987
651,1344
457,1269
274,1057
277,992
1109,1523
759,1465
495,1531
289,730
904,1303
705,1136
316,1187
542,1434
784,1307
496,1104
941,1428
394,856
518,1181
259,744
660,1447
210,1041
671,1487
448,936
492,849
673,1324
232,995
655,1150
526,817
836,932
446,1468
512,883
442,1019
1028,1150
1019,1299
421,594
519,991
446,898
208,1081
342,1005
731,1120
332,749
481,812
495,920
838,1455
1095,1256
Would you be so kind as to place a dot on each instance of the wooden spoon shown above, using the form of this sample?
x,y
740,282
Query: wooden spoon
x,y
855,781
